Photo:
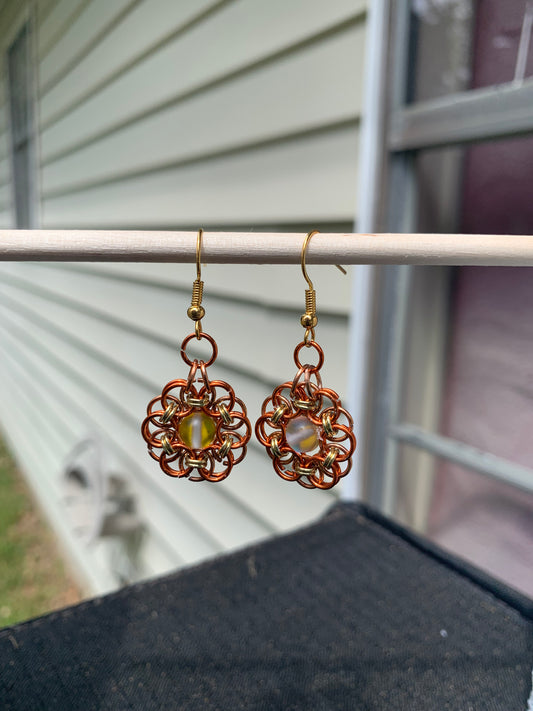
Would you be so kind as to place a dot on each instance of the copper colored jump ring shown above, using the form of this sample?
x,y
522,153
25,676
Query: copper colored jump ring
x,y
309,344
202,335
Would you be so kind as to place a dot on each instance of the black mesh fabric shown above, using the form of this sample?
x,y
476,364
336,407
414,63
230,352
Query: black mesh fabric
x,y
350,613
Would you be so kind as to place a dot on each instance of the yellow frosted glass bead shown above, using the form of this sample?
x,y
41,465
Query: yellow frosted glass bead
x,y
302,434
197,430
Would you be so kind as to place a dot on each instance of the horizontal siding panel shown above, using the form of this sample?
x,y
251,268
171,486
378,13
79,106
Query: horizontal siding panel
x,y
298,93
12,16
6,219
5,171
126,353
279,285
5,195
55,22
4,124
38,418
216,54
215,511
62,418
259,493
308,180
51,444
153,561
4,145
252,346
96,572
44,8
61,426
149,22
78,35
38,462
121,357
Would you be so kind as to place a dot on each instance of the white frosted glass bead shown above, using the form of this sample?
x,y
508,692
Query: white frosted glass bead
x,y
197,430
302,434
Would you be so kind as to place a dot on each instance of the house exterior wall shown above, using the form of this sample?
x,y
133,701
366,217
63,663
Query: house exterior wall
x,y
166,115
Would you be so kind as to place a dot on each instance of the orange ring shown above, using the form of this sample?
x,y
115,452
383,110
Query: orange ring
x,y
208,338
308,345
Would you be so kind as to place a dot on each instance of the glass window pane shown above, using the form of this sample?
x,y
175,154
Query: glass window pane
x,y
442,47
502,46
489,374
462,44
487,522
475,383
483,188
487,392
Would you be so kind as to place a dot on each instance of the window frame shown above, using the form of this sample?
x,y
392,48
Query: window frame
x,y
454,120
24,22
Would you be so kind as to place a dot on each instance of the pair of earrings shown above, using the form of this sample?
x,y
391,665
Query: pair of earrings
x,y
198,429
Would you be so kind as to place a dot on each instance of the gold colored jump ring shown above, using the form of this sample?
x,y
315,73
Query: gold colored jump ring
x,y
169,412
166,445
305,404
195,463
304,471
326,424
276,417
225,447
274,447
226,417
330,458
196,401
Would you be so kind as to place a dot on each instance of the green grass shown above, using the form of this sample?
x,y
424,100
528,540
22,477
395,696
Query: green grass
x,y
32,576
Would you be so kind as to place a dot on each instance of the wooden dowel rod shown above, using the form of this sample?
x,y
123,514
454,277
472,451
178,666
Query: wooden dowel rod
x,y
264,248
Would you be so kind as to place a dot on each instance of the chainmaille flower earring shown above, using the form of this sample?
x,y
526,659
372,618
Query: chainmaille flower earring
x,y
306,431
197,428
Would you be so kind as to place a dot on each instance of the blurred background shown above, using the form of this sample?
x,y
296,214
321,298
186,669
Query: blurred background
x,y
343,116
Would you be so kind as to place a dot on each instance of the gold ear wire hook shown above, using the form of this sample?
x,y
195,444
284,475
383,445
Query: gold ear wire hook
x,y
302,259
309,319
196,311
199,254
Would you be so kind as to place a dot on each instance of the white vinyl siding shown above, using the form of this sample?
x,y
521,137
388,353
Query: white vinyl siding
x,y
177,114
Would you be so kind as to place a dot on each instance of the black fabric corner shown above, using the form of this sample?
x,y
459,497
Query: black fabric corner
x,y
350,613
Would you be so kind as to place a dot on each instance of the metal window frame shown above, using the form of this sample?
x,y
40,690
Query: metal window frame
x,y
457,119
475,115
25,22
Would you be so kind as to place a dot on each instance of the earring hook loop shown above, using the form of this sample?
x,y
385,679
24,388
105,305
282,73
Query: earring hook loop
x,y
304,251
302,259
196,311
199,254
309,319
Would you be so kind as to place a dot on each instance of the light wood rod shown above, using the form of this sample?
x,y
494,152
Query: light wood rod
x,y
264,248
